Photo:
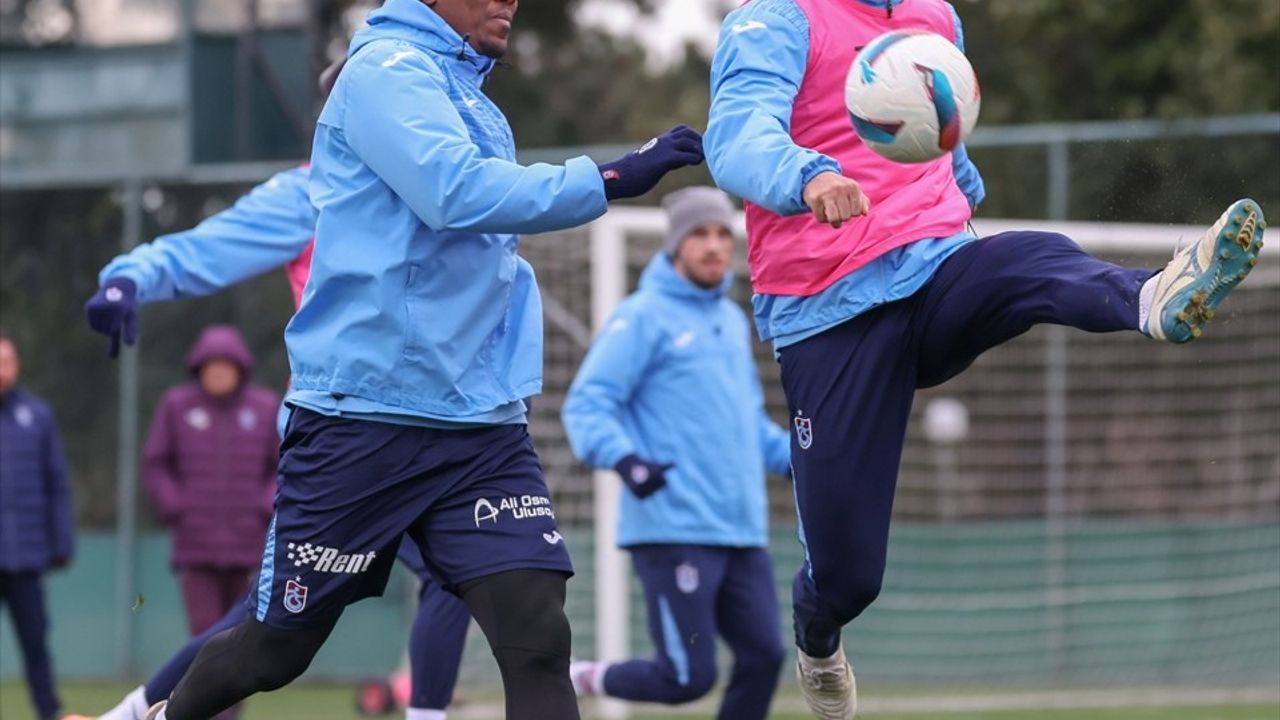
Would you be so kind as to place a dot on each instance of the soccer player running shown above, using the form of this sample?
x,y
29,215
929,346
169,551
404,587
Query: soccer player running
x,y
869,286
669,396
417,339
270,227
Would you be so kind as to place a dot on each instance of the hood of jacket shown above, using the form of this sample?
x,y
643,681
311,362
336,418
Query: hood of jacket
x,y
413,22
221,342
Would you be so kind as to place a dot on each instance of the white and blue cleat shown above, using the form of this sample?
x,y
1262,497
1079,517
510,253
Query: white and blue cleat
x,y
1200,275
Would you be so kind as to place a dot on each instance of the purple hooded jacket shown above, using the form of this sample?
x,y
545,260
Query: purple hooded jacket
x,y
35,499
210,463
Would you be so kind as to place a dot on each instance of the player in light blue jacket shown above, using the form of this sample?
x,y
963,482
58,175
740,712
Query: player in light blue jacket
x,y
669,396
270,227
411,355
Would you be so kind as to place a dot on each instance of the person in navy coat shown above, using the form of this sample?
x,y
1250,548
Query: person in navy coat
x,y
36,531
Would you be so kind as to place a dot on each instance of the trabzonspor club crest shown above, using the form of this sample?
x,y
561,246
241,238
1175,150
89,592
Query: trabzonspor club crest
x,y
804,431
687,577
295,596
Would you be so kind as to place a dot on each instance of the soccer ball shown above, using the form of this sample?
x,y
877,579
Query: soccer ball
x,y
912,95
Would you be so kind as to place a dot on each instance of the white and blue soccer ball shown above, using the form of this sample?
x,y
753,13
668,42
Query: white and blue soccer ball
x,y
912,95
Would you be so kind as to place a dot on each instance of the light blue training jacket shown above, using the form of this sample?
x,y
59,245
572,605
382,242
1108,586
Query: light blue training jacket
x,y
755,77
415,307
264,230
672,380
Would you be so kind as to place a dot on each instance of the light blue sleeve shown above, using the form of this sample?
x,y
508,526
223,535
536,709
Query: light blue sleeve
x,y
967,175
264,230
401,122
776,444
593,409
756,73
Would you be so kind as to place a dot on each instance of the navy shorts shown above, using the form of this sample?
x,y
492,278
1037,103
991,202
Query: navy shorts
x,y
474,501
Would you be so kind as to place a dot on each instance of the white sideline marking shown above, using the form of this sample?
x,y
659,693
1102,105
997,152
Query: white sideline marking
x,y
790,703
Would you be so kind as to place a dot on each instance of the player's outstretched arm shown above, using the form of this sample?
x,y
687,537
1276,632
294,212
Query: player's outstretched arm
x,y
637,172
398,117
756,73
265,229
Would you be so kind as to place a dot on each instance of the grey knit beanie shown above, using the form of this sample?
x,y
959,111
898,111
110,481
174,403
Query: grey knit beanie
x,y
690,209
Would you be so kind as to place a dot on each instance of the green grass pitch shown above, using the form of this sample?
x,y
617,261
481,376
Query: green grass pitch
x,y
319,702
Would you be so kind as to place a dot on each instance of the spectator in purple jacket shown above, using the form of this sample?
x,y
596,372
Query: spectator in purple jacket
x,y
210,466
35,522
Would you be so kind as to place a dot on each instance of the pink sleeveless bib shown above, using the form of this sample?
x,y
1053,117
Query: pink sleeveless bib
x,y
796,255
299,269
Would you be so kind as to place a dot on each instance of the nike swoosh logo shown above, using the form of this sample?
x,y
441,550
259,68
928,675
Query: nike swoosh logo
x,y
552,537
471,102
748,25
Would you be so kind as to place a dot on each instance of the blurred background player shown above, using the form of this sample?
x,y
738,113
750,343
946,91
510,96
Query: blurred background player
x,y
270,227
669,397
408,377
36,531
210,466
880,289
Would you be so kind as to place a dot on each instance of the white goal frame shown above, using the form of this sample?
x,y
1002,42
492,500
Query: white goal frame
x,y
608,238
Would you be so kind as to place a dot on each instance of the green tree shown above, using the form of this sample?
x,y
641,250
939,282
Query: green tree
x,y
1045,60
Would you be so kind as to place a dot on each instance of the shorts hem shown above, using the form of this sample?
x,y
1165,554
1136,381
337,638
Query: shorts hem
x,y
453,583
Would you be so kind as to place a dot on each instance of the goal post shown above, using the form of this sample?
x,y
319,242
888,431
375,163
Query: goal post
x,y
1044,535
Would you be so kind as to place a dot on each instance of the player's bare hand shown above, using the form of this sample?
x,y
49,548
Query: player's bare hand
x,y
834,199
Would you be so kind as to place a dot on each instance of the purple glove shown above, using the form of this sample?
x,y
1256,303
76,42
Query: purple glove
x,y
642,477
636,173
113,311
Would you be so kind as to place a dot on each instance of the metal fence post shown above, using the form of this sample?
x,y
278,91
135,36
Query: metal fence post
x,y
1055,434
127,456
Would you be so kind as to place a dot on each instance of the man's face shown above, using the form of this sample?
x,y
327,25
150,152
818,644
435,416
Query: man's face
x,y
219,377
9,366
705,255
486,23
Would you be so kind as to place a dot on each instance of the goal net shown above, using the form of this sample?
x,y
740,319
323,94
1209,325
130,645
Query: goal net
x,y
1074,509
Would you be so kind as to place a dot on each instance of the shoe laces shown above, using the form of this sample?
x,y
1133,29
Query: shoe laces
x,y
824,678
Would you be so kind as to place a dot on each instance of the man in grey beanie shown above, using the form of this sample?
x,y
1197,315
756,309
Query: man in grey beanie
x,y
691,210
669,397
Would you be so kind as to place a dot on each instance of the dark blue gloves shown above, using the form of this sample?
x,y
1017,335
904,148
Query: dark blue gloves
x,y
642,477
635,173
113,311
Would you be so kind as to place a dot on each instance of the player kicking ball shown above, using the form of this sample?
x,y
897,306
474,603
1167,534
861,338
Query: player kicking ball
x,y
869,286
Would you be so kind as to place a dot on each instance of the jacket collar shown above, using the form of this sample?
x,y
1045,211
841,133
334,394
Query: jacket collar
x,y
661,276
